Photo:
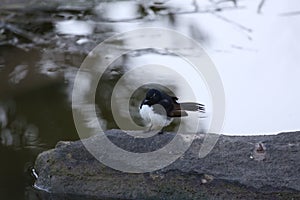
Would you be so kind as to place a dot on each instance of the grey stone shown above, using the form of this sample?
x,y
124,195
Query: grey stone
x,y
239,167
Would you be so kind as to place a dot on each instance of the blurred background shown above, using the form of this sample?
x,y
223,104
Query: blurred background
x,y
253,44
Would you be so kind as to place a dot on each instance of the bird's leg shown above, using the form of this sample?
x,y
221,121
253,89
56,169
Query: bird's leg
x,y
149,129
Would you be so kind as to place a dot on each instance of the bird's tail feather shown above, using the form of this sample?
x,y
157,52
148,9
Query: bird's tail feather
x,y
190,106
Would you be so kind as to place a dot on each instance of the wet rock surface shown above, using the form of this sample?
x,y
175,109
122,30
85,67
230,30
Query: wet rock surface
x,y
248,167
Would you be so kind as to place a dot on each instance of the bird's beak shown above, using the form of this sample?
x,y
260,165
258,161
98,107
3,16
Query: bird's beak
x,y
145,101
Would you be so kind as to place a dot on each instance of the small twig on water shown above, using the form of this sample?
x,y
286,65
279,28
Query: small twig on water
x,y
22,33
260,6
287,14
243,28
233,23
195,4
222,1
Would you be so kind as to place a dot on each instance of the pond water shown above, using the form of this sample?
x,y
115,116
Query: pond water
x,y
43,44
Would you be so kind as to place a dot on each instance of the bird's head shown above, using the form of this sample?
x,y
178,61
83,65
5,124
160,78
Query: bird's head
x,y
153,96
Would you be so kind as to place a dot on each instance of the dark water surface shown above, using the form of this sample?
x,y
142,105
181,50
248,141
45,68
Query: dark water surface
x,y
35,111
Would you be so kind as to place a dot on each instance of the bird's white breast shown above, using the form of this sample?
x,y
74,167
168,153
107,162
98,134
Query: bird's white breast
x,y
153,120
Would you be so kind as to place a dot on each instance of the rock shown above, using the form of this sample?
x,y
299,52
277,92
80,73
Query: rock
x,y
239,167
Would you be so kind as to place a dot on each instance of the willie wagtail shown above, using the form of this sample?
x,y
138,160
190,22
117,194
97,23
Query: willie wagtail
x,y
158,109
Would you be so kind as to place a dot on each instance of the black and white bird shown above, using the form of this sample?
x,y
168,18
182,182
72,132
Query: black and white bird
x,y
158,109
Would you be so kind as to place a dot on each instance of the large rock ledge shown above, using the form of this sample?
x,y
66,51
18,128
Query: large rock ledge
x,y
252,167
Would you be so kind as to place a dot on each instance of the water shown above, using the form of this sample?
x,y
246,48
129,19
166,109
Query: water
x,y
42,45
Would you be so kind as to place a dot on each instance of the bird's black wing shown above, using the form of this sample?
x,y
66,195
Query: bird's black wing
x,y
167,104
177,111
167,107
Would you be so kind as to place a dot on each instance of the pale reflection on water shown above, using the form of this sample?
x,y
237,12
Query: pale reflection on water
x,y
16,132
127,10
75,27
162,67
18,74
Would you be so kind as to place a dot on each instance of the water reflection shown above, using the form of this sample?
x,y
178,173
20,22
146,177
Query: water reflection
x,y
3,117
31,136
75,27
16,132
6,137
127,10
19,73
98,61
